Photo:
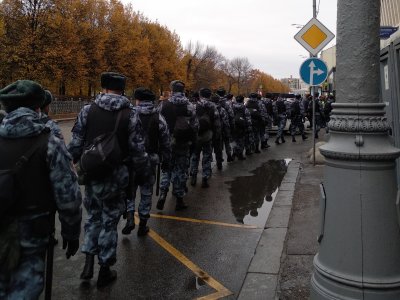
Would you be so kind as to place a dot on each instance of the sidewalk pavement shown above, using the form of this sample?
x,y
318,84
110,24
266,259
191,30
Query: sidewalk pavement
x,y
282,265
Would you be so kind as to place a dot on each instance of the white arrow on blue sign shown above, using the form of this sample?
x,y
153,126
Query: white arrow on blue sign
x,y
313,71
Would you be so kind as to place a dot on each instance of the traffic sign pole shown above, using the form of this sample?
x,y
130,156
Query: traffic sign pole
x,y
313,122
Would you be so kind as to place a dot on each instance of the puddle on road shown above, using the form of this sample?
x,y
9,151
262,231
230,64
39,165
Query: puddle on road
x,y
252,196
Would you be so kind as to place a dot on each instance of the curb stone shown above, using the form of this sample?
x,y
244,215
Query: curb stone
x,y
261,280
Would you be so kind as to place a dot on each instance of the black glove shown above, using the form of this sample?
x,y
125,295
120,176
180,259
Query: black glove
x,y
73,246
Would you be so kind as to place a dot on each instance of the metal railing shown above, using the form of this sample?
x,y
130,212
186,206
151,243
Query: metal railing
x,y
66,107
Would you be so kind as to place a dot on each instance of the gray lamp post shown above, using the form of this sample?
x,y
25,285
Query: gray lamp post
x,y
359,255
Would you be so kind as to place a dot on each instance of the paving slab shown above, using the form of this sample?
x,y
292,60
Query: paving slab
x,y
269,250
258,287
279,217
287,186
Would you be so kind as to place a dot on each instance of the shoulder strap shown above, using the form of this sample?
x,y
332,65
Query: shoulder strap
x,y
25,157
117,122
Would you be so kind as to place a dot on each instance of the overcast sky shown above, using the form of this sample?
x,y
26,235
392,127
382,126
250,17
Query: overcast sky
x,y
260,30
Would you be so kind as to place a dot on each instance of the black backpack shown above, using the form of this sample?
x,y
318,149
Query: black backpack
x,y
9,183
240,119
295,109
102,155
150,124
204,116
255,113
178,120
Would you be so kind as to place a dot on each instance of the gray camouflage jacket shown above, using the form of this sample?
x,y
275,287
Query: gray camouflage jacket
x,y
115,184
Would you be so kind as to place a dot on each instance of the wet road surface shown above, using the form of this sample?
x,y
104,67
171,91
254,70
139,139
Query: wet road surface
x,y
214,239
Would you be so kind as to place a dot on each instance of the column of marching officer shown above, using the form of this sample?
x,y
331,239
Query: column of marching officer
x,y
116,150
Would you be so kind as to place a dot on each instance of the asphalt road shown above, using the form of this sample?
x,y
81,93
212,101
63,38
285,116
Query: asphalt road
x,y
204,251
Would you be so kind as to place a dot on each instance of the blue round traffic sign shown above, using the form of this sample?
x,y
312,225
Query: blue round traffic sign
x,y
313,71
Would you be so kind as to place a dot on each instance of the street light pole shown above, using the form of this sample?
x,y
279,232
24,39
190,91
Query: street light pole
x,y
359,254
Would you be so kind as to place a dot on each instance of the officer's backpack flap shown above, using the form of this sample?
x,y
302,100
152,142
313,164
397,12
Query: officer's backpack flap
x,y
103,155
182,130
9,247
150,124
9,180
203,115
7,190
240,121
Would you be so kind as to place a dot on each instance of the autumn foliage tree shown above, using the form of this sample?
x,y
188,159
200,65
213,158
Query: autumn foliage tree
x,y
67,44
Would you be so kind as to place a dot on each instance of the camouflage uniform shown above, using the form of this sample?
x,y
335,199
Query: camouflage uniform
x,y
240,138
205,146
318,115
226,132
52,125
27,280
258,129
280,113
180,160
146,189
267,102
105,199
297,117
226,105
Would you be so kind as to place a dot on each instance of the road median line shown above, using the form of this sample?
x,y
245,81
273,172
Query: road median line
x,y
221,290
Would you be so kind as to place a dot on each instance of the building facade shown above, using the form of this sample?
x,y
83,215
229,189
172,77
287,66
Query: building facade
x,y
292,83
390,12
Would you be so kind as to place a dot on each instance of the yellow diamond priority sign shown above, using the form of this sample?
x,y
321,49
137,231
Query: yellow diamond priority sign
x,y
314,36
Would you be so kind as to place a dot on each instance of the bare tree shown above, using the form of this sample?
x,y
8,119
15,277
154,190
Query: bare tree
x,y
241,68
202,65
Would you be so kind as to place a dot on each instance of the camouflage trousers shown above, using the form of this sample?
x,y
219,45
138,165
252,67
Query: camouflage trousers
x,y
281,125
178,175
146,194
258,134
297,122
227,144
206,149
27,280
217,146
239,141
318,123
101,235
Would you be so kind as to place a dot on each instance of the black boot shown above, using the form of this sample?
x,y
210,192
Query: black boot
x,y
248,152
219,165
277,141
161,201
193,181
241,156
264,145
293,139
229,158
304,137
257,149
143,228
130,222
283,139
204,183
180,205
106,276
87,272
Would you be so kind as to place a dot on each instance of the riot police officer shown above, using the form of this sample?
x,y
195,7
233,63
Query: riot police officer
x,y
105,196
47,182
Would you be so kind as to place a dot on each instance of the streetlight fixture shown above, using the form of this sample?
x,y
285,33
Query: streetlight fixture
x,y
297,25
